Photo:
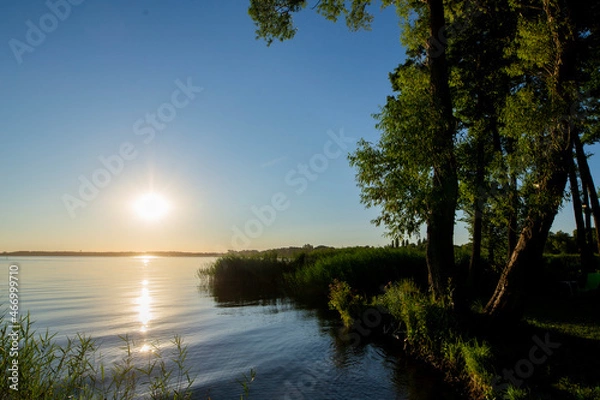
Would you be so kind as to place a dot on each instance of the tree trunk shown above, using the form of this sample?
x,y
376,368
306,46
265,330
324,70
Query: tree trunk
x,y
513,222
513,200
587,211
440,222
490,245
582,244
506,304
587,182
480,198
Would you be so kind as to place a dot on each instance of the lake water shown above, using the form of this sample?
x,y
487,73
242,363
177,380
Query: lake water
x,y
296,354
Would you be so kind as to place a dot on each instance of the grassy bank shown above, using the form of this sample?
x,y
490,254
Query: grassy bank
x,y
551,355
429,330
390,283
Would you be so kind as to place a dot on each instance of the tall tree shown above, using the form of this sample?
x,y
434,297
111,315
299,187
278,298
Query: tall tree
x,y
546,56
444,186
274,21
493,91
480,86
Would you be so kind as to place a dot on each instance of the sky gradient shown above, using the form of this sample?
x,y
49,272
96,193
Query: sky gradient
x,y
247,142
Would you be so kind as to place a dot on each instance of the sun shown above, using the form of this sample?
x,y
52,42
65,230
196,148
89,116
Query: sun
x,y
151,206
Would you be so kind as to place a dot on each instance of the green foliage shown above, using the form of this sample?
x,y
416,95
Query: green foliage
x,y
578,391
523,79
477,358
430,330
560,243
471,358
364,269
395,174
48,370
234,278
514,393
245,384
346,301
532,46
425,323
561,267
307,276
274,18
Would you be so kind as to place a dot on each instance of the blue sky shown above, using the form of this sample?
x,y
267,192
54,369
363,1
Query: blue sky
x,y
231,144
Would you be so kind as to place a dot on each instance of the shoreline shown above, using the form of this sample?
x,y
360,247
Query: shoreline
x,y
108,254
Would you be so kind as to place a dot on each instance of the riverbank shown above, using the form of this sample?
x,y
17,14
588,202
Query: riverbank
x,y
381,292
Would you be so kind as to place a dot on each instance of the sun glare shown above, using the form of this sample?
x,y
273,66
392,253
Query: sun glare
x,y
151,206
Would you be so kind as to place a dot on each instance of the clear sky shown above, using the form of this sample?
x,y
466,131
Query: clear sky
x,y
246,143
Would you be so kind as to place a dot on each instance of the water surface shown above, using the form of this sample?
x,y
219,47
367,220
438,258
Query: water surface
x,y
296,354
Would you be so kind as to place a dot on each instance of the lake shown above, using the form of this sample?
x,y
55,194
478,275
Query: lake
x,y
296,353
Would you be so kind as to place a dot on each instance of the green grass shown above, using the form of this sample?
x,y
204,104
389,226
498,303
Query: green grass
x,y
431,332
577,391
75,370
366,270
574,371
573,316
239,279
47,370
306,276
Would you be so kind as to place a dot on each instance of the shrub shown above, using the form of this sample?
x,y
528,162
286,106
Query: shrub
x,y
366,270
431,331
346,301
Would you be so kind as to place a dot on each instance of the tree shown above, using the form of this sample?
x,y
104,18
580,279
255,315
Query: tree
x,y
491,97
545,60
560,243
274,21
480,85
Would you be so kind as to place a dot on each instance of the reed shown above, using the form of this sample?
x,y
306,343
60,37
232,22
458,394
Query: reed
x,y
75,370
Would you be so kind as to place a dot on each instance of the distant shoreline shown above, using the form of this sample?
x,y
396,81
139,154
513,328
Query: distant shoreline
x,y
106,254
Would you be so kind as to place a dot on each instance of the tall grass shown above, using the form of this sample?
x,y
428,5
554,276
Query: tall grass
x,y
366,270
47,370
240,279
307,275
431,331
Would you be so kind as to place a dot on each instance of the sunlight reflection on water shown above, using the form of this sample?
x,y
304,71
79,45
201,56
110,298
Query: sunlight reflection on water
x,y
149,300
144,308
